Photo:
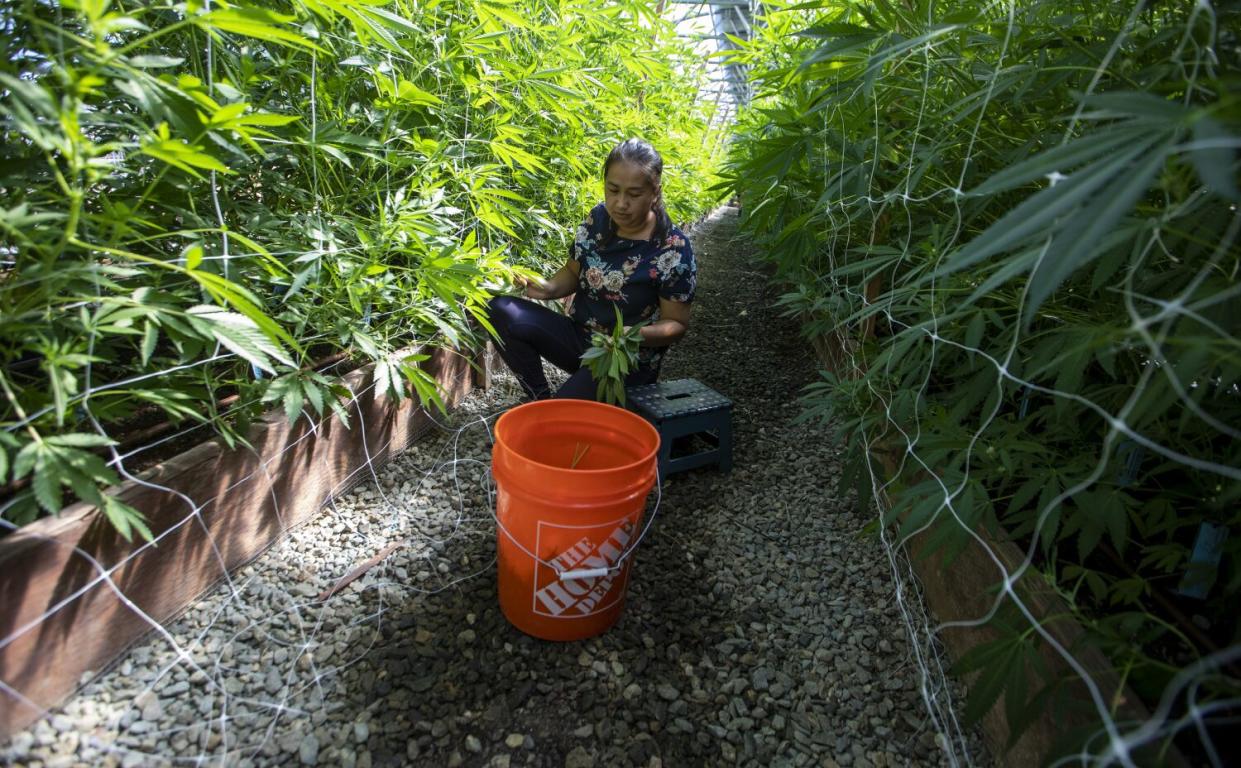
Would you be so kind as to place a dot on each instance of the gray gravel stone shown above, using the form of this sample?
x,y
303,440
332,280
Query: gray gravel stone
x,y
273,683
578,757
21,743
760,678
308,750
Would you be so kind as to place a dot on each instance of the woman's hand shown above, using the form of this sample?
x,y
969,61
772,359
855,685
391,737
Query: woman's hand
x,y
668,330
533,289
561,284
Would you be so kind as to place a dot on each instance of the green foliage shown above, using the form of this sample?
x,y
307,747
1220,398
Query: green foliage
x,y
611,357
1007,664
1017,225
201,203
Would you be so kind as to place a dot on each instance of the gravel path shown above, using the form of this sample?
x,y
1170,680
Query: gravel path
x,y
760,629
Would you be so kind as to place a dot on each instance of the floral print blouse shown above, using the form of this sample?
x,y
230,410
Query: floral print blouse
x,y
631,274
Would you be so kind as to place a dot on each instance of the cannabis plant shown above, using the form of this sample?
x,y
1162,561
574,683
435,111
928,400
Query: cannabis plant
x,y
1016,226
202,203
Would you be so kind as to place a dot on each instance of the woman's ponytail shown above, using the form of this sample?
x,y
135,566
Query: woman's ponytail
x,y
663,222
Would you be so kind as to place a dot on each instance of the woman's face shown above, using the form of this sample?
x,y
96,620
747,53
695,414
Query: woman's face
x,y
628,195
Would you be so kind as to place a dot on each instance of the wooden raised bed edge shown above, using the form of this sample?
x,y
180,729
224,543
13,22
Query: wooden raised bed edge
x,y
964,591
73,622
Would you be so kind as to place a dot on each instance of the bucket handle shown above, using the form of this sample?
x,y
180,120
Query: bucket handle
x,y
583,573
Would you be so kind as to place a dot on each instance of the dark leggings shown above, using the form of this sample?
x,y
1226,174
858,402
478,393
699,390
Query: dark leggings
x,y
529,332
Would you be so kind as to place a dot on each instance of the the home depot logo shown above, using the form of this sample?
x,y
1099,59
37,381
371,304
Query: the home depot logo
x,y
573,598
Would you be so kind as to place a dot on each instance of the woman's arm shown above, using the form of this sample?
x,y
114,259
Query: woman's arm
x,y
673,322
559,285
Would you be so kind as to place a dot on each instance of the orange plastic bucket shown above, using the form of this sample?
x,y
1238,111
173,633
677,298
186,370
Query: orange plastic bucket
x,y
572,477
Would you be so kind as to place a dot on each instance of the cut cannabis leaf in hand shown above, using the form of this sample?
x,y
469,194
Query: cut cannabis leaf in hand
x,y
611,357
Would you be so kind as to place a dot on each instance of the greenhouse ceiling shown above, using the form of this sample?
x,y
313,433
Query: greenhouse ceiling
x,y
711,27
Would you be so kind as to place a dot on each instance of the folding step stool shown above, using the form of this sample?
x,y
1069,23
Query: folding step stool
x,y
686,407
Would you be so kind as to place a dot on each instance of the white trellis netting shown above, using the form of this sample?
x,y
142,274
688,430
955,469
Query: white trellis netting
x,y
301,684
186,655
244,667
1179,709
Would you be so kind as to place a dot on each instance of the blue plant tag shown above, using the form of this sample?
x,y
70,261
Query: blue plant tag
x,y
1130,456
1204,562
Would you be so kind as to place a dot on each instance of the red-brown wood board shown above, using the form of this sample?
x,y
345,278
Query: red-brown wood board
x,y
61,617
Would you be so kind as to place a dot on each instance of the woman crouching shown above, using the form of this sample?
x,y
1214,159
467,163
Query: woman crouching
x,y
626,255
